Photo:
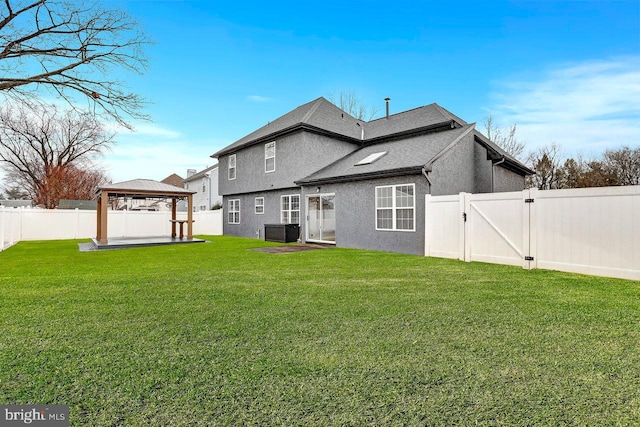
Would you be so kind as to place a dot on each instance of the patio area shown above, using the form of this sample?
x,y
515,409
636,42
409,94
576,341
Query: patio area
x,y
136,242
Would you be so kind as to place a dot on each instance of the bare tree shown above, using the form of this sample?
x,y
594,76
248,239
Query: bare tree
x,y
623,164
72,48
574,173
505,138
546,163
39,144
14,192
350,104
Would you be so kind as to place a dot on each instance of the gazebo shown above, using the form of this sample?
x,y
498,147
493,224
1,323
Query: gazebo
x,y
148,189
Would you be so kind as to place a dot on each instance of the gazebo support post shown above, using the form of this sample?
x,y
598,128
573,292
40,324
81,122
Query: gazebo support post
x,y
173,217
103,203
98,222
190,217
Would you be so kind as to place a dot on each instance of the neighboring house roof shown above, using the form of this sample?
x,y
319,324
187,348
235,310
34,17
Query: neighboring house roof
x,y
144,186
16,203
174,179
77,204
201,174
401,157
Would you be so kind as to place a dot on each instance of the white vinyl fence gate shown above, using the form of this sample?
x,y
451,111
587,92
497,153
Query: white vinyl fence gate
x,y
590,230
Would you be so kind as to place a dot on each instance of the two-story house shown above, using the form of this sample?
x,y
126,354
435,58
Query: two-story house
x,y
355,183
205,184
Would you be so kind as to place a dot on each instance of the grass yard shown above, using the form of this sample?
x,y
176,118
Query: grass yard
x,y
217,334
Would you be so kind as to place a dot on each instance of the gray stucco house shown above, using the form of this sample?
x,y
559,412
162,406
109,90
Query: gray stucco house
x,y
355,183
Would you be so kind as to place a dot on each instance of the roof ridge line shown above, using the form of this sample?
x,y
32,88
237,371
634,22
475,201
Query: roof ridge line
x,y
449,114
402,112
472,126
312,110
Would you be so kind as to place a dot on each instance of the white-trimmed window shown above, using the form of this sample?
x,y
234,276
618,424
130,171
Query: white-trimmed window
x,y
395,207
270,157
232,167
259,205
290,209
234,211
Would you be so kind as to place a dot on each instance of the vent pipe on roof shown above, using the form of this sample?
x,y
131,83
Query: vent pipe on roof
x,y
387,102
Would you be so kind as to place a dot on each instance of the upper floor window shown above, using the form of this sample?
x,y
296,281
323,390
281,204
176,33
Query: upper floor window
x,y
232,166
290,209
395,207
270,156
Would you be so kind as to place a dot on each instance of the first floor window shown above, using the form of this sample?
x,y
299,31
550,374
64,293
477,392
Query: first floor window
x,y
290,209
234,211
395,207
259,205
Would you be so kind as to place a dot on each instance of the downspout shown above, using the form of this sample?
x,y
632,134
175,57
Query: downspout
x,y
493,173
425,173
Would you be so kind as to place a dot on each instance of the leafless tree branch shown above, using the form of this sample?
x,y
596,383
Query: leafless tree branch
x,y
73,48
505,138
348,102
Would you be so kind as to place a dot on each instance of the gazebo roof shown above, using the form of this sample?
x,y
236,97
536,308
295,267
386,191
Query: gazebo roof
x,y
144,187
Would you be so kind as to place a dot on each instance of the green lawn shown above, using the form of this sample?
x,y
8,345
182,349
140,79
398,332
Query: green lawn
x,y
218,334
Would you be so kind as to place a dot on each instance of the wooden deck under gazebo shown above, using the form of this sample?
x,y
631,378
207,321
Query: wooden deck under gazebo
x,y
145,188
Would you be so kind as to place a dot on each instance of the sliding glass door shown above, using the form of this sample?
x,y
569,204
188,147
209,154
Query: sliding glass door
x,y
321,218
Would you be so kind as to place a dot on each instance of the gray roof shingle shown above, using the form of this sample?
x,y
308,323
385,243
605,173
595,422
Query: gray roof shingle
x,y
318,113
427,115
405,126
407,155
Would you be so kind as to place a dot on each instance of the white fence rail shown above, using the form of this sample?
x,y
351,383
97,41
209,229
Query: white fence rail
x,y
589,230
44,224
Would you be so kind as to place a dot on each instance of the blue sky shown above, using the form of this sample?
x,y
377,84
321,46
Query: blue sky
x,y
564,71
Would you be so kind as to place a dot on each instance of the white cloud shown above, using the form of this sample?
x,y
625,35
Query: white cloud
x,y
147,129
258,98
155,152
585,108
131,159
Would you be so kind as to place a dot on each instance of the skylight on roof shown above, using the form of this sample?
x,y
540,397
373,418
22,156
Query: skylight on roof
x,y
371,158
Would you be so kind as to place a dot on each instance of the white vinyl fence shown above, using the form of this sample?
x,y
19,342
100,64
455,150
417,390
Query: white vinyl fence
x,y
9,227
589,230
18,224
